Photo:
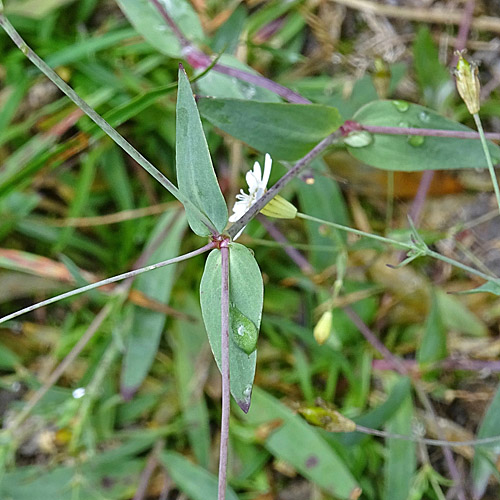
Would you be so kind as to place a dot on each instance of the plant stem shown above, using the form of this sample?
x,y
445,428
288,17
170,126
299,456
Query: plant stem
x,y
107,281
428,132
486,150
429,442
63,366
99,120
281,183
199,59
409,246
224,344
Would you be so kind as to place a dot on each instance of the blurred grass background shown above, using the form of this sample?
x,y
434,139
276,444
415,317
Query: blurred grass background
x,y
136,414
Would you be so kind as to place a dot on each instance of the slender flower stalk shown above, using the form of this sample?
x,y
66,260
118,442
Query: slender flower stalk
x,y
487,154
415,250
100,121
469,88
107,281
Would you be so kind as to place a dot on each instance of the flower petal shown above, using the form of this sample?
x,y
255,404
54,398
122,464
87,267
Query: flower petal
x,y
257,172
268,162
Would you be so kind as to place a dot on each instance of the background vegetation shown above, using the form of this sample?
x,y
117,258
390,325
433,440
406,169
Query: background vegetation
x,y
135,414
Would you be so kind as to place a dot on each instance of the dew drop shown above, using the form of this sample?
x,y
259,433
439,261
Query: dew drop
x,y
416,140
244,331
79,393
424,117
247,391
247,89
403,124
401,105
359,139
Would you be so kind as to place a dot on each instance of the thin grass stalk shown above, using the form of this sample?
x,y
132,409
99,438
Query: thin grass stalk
x,y
99,120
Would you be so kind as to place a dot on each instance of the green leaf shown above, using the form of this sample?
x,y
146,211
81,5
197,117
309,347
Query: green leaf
x,y
302,446
189,341
374,418
285,131
394,152
323,199
458,317
433,78
485,458
146,326
196,482
215,84
195,173
401,460
488,287
246,293
433,345
147,20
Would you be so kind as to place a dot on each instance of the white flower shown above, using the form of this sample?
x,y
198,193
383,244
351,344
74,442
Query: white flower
x,y
257,186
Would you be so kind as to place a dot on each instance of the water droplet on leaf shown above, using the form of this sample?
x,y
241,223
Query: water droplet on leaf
x,y
401,105
416,140
403,124
247,391
244,331
424,116
358,139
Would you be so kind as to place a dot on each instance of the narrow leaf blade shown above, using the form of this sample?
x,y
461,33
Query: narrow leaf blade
x,y
195,482
146,19
302,446
146,326
285,131
195,172
485,457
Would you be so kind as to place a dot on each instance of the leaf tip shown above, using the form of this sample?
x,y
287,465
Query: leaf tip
x,y
128,393
244,404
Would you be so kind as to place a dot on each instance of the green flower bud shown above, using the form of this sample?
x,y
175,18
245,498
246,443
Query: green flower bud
x,y
323,328
468,85
280,208
327,418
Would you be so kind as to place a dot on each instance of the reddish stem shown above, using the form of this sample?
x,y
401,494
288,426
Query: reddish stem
x,y
224,432
428,132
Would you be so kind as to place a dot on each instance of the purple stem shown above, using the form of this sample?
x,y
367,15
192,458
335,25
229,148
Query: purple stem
x,y
281,183
199,59
184,42
428,132
463,30
399,366
224,345
472,365
293,253
392,361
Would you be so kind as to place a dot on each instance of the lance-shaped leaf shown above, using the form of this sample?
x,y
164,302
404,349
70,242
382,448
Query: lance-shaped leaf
x,y
147,20
416,153
285,131
302,446
486,457
146,325
195,172
246,294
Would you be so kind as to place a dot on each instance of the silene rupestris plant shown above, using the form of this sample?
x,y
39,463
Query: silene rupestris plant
x,y
392,135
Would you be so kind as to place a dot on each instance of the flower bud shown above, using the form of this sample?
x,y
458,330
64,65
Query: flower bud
x,y
327,418
468,85
280,208
323,328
